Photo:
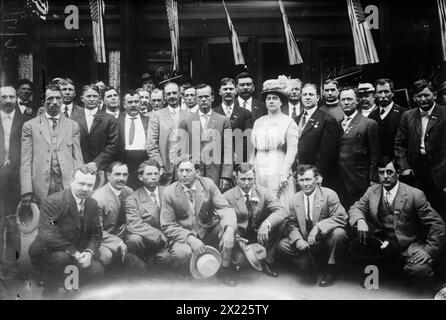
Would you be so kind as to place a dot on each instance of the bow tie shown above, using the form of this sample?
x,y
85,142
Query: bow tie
x,y
424,114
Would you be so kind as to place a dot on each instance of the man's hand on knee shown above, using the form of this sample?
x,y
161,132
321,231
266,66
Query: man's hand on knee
x,y
196,244
420,256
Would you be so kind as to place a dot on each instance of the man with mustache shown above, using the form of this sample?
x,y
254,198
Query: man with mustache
x,y
50,150
420,144
145,102
245,90
132,137
366,95
162,140
11,122
294,108
387,115
25,104
69,108
69,234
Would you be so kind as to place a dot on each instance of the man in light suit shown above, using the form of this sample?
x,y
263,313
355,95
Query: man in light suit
x,y
132,137
111,204
212,132
294,107
317,222
359,150
260,218
69,234
420,145
194,214
245,89
51,150
69,108
162,139
319,136
11,122
99,132
241,119
394,219
145,238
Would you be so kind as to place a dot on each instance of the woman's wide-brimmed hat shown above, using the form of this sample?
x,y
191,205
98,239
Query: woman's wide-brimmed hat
x,y
279,86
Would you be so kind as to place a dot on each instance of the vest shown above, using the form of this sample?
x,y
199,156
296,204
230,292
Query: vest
x,y
386,219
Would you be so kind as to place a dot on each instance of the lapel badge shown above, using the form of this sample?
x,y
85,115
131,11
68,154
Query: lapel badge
x,y
28,111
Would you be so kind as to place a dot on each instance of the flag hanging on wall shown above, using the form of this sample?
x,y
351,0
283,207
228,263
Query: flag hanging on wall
x,y
172,17
442,13
236,49
97,10
39,7
365,50
294,56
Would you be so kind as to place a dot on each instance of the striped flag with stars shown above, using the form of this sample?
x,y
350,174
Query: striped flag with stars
x,y
97,10
442,14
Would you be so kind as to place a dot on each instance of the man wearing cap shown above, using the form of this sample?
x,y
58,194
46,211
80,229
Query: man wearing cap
x,y
11,122
245,90
51,150
147,82
260,218
387,115
317,222
366,95
194,214
162,133
294,108
331,103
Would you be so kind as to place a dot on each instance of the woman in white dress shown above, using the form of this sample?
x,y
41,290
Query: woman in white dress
x,y
275,138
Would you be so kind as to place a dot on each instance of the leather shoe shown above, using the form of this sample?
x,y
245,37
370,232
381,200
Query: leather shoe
x,y
268,270
228,276
328,279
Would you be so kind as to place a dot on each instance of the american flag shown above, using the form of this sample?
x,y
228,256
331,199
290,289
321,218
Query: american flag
x,y
294,56
97,10
172,17
442,13
236,49
365,50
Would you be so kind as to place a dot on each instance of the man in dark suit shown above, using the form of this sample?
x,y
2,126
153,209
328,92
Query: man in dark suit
x,y
99,132
316,223
69,233
359,150
69,108
330,103
294,108
132,137
145,102
212,132
241,119
319,136
394,219
194,214
366,97
28,108
260,218
387,115
11,122
420,145
245,89
112,102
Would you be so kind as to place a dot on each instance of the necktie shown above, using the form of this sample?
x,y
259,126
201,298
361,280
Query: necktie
x,y
387,199
344,123
155,200
206,121
54,123
248,203
244,104
308,220
132,131
66,112
294,114
191,196
424,114
382,111
228,111
81,208
308,209
304,119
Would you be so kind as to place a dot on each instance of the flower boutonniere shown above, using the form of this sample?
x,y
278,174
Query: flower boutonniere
x,y
316,125
255,201
433,118
235,116
28,111
213,123
96,117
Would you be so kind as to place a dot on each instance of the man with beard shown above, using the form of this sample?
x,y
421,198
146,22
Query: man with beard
x,y
240,118
190,99
69,108
420,144
132,137
25,104
294,108
387,115
69,233
245,89
366,95
359,151
112,102
145,102
11,122
162,139
99,132
207,129
331,104
51,150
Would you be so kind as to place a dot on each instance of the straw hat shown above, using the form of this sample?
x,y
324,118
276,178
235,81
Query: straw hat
x,y
205,265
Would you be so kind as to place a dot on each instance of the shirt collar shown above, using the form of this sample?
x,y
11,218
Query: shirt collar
x,y
20,101
332,103
249,193
69,106
311,196
138,116
310,111
205,114
194,187
173,110
429,112
388,107
116,192
49,117
112,113
351,116
78,200
248,102
150,192
226,107
394,190
91,112
10,115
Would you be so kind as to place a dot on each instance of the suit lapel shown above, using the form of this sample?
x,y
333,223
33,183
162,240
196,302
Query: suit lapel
x,y
145,123
62,129
82,120
16,122
433,118
45,129
96,120
241,201
73,207
417,123
310,122
353,124
375,199
399,201
184,201
300,212
199,197
317,205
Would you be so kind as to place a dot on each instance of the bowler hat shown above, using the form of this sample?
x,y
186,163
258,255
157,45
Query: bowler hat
x,y
205,265
27,217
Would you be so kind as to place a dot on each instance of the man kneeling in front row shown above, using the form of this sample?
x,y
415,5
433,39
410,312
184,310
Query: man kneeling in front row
x,y
260,218
394,219
317,225
69,233
194,214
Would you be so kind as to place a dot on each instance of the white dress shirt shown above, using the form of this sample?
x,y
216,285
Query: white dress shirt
x,y
367,112
80,203
244,193
139,141
89,116
424,122
114,114
311,198
186,191
193,109
248,104
115,191
390,195
157,196
22,107
69,108
290,109
7,119
175,113
203,118
386,110
345,123
50,121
